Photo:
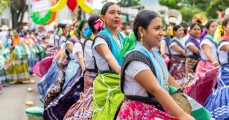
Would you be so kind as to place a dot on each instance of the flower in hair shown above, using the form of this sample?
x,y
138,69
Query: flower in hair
x,y
98,24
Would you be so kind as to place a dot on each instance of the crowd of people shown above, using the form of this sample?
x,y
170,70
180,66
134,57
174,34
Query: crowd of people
x,y
96,71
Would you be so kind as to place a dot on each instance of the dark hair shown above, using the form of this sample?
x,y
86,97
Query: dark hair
x,y
105,7
143,19
61,25
209,24
194,24
92,21
176,27
80,27
225,21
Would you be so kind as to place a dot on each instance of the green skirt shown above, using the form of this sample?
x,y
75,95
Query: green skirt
x,y
107,96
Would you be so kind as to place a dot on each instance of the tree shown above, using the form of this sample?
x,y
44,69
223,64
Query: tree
x,y
189,8
125,3
128,3
18,8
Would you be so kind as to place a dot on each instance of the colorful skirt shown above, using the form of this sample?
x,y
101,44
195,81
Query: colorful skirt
x,y
107,96
55,89
60,105
134,110
189,66
48,80
82,110
18,70
218,102
205,80
177,69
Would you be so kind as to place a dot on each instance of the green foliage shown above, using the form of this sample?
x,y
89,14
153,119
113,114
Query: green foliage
x,y
128,3
3,5
189,8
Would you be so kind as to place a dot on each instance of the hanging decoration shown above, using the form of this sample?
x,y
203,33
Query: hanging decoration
x,y
72,4
48,18
60,5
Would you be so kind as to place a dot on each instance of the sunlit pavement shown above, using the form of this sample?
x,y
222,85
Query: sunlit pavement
x,y
14,97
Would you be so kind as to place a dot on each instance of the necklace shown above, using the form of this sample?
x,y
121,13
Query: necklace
x,y
163,72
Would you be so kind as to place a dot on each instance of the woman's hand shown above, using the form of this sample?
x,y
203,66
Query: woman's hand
x,y
215,63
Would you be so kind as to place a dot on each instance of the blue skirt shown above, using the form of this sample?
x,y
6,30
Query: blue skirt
x,y
218,102
48,80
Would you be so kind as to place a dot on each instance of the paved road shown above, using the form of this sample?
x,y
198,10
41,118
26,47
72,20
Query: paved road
x,y
14,97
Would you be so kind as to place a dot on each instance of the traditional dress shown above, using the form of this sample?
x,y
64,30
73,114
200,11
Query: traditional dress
x,y
140,104
31,53
218,101
177,62
82,109
166,57
2,68
192,59
106,93
18,70
206,73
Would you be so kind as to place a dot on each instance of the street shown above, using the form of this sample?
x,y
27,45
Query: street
x,y
14,97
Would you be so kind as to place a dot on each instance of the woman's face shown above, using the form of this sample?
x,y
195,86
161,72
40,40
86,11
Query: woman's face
x,y
15,33
112,16
196,31
67,28
82,31
212,28
226,28
153,34
179,33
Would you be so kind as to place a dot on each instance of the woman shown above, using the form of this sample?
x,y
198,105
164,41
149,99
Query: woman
x,y
74,52
192,46
82,109
31,48
68,86
106,46
178,54
18,71
207,67
164,46
217,103
140,85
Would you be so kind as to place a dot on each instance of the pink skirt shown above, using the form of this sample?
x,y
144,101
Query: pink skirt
x,y
134,110
205,80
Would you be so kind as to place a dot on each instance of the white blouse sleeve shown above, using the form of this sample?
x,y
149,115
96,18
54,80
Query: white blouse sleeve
x,y
135,67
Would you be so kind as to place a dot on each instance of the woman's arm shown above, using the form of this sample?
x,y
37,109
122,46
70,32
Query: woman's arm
x,y
162,47
207,51
194,49
147,80
82,64
225,48
179,49
105,52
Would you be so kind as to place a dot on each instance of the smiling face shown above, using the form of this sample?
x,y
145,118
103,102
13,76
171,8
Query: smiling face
x,y
153,34
179,33
112,17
